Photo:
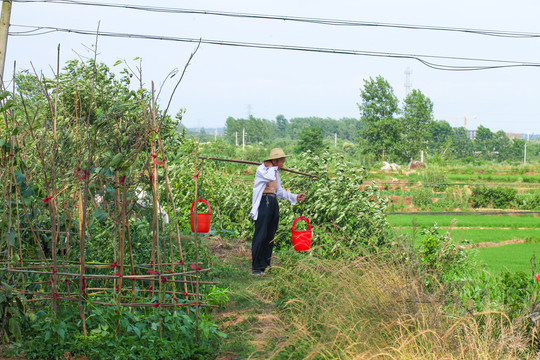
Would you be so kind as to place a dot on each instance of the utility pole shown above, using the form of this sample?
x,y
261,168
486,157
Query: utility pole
x,y
525,153
4,28
215,135
243,139
236,136
335,139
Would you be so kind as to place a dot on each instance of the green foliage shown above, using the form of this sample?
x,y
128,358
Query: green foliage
x,y
417,116
11,309
437,180
422,197
528,201
496,197
381,131
119,333
311,139
441,257
346,214
517,291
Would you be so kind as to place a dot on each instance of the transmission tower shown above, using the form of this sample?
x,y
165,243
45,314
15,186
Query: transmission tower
x,y
408,84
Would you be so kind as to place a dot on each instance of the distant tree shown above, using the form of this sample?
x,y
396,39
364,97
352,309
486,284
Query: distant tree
x,y
417,116
440,138
311,139
462,146
256,130
380,133
281,126
483,140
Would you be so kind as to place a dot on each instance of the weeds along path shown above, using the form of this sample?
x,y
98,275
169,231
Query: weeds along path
x,y
247,319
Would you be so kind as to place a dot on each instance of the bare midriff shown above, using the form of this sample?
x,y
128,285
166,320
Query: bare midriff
x,y
271,187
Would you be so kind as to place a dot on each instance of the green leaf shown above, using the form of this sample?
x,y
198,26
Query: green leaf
x,y
116,159
118,62
19,177
4,94
100,215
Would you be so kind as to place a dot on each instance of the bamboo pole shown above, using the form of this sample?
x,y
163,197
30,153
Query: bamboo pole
x,y
255,163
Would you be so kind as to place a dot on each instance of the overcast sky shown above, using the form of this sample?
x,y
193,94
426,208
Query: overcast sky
x,y
225,81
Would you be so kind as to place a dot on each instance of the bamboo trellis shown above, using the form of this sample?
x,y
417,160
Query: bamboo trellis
x,y
51,275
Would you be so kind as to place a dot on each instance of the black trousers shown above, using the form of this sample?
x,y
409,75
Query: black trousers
x,y
265,229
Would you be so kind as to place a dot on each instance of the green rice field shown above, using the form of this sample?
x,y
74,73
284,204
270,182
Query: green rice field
x,y
467,220
472,229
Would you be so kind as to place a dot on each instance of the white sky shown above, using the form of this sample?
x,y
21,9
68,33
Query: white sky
x,y
229,81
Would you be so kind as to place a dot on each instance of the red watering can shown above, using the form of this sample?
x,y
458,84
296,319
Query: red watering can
x,y
301,239
203,220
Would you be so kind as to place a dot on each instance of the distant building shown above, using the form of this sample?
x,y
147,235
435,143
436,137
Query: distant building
x,y
471,134
514,136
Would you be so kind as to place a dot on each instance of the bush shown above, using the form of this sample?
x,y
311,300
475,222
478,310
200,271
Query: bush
x,y
496,197
118,333
528,201
422,197
435,179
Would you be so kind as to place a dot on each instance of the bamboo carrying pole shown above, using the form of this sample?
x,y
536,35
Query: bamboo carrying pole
x,y
255,163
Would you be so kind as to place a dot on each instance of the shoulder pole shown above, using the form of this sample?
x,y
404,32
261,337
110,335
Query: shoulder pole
x,y
255,163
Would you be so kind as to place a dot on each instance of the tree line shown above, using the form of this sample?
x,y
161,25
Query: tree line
x,y
387,129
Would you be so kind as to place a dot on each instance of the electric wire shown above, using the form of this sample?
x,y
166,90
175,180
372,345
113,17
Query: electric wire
x,y
497,64
310,20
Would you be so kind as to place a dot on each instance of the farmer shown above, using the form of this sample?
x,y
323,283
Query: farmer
x,y
265,209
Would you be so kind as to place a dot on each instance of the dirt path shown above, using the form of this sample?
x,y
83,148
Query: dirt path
x,y
248,318
493,244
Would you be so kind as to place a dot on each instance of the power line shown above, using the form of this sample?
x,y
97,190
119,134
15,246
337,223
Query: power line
x,y
319,21
497,64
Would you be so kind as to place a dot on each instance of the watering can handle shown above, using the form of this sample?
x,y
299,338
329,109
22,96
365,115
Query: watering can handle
x,y
203,201
301,218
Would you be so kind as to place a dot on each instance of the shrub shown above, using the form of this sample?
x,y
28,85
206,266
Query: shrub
x,y
496,197
346,214
528,201
435,179
422,197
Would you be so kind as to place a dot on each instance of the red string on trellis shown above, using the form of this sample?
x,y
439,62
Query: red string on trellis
x,y
181,262
113,265
55,295
46,200
196,176
85,173
152,272
154,156
20,261
156,305
11,155
195,267
122,179
159,162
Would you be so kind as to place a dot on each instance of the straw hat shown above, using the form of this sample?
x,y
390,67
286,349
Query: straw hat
x,y
276,153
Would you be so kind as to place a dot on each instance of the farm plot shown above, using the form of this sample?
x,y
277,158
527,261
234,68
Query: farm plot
x,y
520,235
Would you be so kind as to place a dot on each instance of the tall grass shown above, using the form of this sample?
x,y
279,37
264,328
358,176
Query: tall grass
x,y
375,309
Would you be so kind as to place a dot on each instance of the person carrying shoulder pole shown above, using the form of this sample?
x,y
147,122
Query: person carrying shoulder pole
x,y
265,209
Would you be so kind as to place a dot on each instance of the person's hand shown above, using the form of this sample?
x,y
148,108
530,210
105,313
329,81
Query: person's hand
x,y
301,197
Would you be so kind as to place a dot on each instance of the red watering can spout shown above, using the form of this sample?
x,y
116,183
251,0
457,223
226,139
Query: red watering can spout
x,y
301,239
203,219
